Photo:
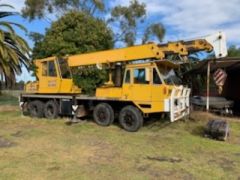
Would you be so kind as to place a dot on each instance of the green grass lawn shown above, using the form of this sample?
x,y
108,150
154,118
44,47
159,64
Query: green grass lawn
x,y
8,100
49,149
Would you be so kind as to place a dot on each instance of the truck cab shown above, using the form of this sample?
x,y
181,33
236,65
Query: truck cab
x,y
150,86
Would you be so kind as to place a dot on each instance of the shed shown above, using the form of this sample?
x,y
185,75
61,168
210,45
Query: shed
x,y
231,88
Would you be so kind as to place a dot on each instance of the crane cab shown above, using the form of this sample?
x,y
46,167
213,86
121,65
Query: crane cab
x,y
54,76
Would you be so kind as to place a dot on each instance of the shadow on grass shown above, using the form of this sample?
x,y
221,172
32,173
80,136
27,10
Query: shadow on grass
x,y
156,123
198,131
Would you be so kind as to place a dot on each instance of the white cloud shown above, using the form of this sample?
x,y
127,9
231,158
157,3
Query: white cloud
x,y
189,18
17,4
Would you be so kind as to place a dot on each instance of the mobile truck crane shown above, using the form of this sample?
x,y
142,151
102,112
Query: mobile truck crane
x,y
146,87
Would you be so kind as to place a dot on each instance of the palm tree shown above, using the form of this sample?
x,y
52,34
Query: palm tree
x,y
14,50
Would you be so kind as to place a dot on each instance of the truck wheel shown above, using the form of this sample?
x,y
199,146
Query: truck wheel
x,y
51,110
36,108
103,114
131,118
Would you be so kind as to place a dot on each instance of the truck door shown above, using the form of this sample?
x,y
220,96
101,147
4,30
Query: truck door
x,y
136,86
159,91
66,79
50,80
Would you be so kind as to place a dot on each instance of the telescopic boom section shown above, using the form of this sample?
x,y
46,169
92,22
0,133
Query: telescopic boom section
x,y
117,55
216,43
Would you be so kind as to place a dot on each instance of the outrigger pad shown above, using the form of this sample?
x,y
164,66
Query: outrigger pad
x,y
217,129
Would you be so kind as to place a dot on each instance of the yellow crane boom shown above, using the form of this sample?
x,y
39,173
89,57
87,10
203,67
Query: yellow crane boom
x,y
214,43
146,51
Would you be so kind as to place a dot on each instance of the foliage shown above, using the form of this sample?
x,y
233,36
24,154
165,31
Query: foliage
x,y
89,78
14,50
127,18
75,33
233,51
39,8
157,30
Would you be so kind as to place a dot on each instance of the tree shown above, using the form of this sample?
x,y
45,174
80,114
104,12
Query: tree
x,y
14,50
156,29
233,51
75,33
40,8
127,18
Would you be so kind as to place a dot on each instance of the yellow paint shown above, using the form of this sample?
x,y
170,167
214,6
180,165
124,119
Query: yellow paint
x,y
147,94
51,85
148,97
109,92
117,55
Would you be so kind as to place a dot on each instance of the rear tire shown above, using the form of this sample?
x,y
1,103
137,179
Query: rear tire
x,y
103,114
131,118
51,110
36,108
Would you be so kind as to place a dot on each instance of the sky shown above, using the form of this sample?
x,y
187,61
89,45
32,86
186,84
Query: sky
x,y
183,19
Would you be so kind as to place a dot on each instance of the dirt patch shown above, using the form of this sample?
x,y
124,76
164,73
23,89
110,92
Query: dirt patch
x,y
4,143
17,134
237,154
103,153
54,168
165,159
157,173
224,163
143,168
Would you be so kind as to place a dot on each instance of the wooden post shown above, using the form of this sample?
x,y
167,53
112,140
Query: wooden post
x,y
208,85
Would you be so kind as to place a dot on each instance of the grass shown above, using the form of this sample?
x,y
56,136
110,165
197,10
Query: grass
x,y
48,149
8,100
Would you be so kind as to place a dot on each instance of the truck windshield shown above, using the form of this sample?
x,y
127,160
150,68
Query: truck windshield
x,y
169,76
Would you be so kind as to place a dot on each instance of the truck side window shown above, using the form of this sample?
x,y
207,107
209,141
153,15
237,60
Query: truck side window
x,y
44,68
156,78
48,69
139,76
127,77
51,69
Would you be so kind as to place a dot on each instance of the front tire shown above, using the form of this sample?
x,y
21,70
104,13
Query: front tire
x,y
131,118
51,110
103,114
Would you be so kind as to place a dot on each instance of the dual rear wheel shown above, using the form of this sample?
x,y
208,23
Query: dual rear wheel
x,y
40,109
130,118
